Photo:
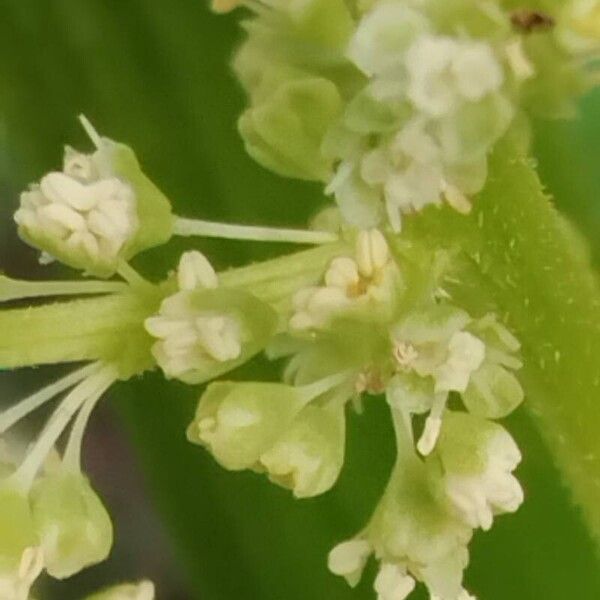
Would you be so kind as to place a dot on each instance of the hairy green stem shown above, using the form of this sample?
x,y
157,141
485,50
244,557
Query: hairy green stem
x,y
522,259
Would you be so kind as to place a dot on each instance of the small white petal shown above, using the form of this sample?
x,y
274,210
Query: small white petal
x,y
348,559
195,271
372,252
64,216
430,435
62,189
393,583
342,273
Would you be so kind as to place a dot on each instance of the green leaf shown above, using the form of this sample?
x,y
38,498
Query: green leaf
x,y
524,260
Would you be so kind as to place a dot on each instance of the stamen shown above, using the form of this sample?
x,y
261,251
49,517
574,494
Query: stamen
x,y
91,131
191,227
12,289
15,413
433,425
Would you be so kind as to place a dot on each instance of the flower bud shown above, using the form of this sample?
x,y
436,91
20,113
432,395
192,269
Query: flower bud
x,y
308,457
239,422
100,210
144,590
75,529
478,458
284,132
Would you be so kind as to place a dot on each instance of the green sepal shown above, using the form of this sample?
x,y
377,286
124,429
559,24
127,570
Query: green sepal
x,y
285,131
493,392
74,527
243,420
309,456
365,114
153,207
413,522
17,528
334,350
461,446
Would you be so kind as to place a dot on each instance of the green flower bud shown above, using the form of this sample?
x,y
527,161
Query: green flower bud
x,y
285,131
309,456
468,133
239,422
99,211
144,590
75,529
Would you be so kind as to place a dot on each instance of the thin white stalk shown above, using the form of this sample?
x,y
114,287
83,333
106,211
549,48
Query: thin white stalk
x,y
191,227
91,387
20,410
314,390
403,431
72,454
131,276
91,131
12,289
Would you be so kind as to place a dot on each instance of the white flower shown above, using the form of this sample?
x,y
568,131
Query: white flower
x,y
79,213
494,490
349,282
187,336
383,35
348,560
444,72
466,354
393,582
435,345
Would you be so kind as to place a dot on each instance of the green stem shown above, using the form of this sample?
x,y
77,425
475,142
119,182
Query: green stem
x,y
109,328
313,261
195,227
522,260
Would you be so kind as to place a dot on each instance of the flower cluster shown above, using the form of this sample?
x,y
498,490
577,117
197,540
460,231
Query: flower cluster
x,y
396,104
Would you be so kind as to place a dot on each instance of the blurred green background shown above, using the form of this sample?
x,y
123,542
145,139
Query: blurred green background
x,y
154,74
